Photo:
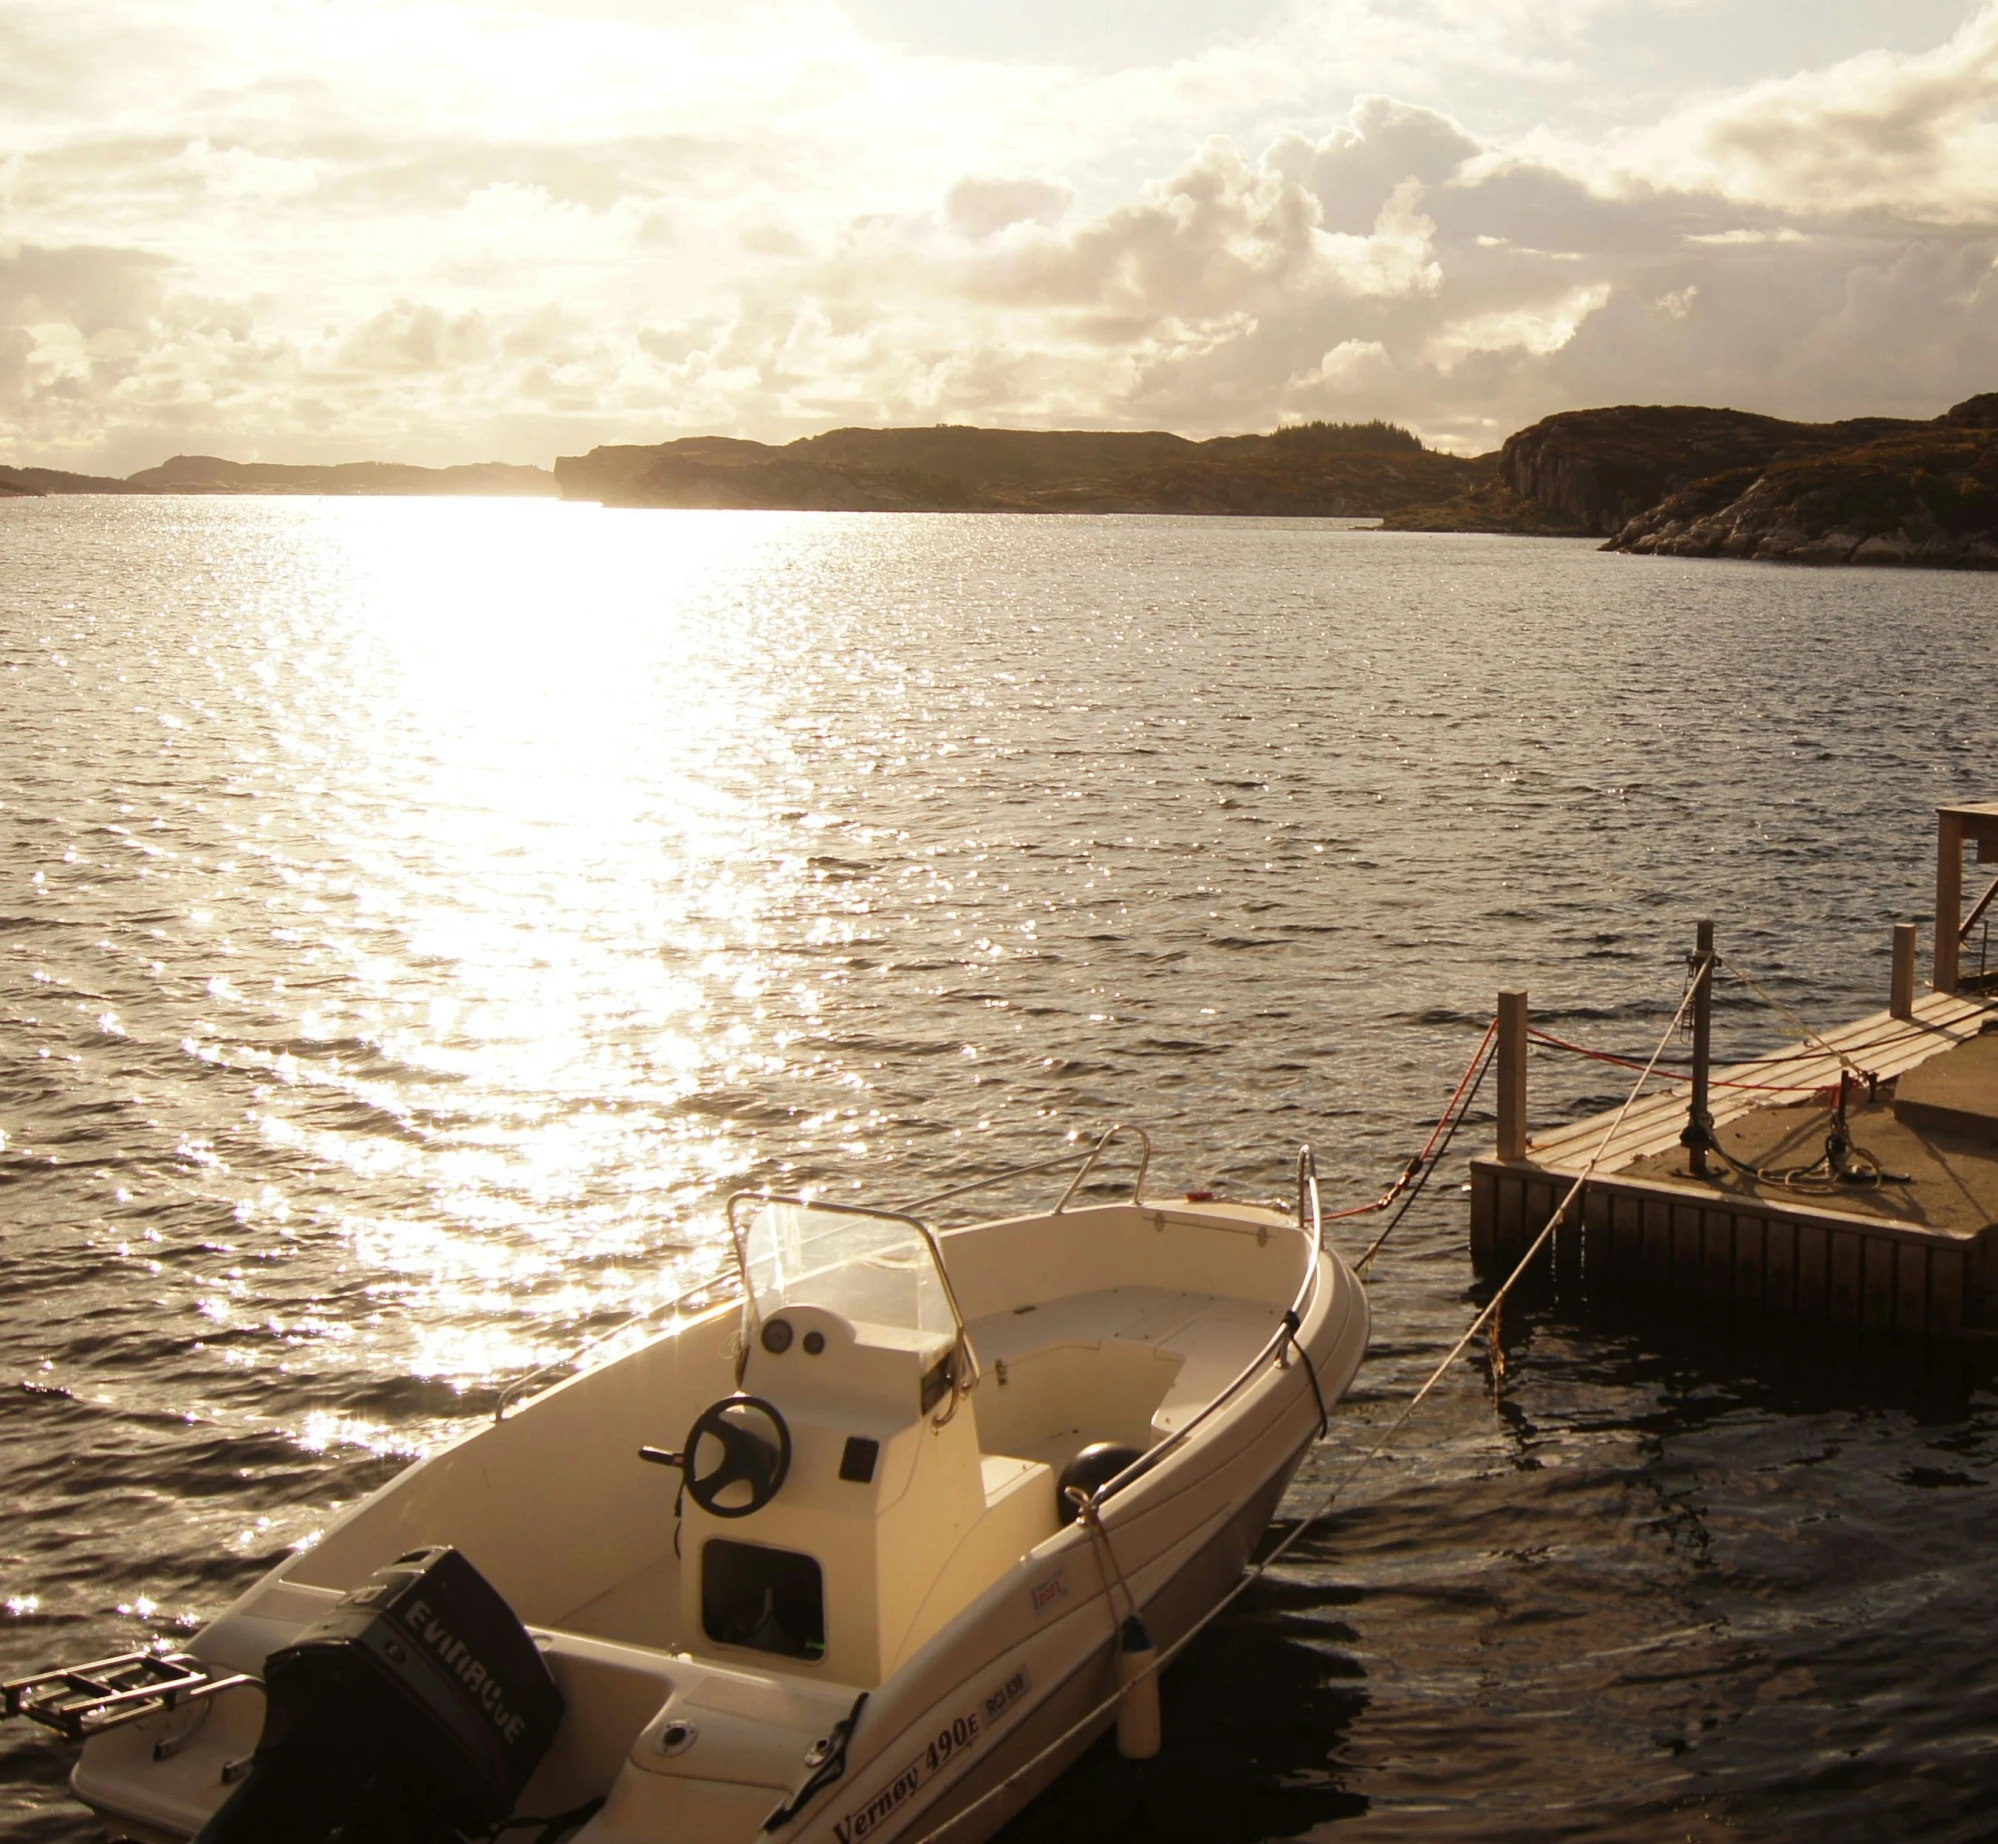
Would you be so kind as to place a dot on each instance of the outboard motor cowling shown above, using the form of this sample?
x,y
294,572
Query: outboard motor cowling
x,y
412,1712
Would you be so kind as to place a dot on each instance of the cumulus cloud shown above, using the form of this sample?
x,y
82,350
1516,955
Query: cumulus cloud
x,y
1350,365
978,205
412,336
448,236
1909,133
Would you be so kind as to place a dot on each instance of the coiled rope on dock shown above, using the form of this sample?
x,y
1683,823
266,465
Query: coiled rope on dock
x,y
1842,1164
1330,1502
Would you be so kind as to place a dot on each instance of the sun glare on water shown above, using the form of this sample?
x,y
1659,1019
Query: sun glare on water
x,y
528,779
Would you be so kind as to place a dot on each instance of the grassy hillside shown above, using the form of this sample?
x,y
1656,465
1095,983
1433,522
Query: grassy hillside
x,y
1313,469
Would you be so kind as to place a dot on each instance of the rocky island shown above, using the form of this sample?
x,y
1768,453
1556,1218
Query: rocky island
x,y
1687,481
1923,494
1321,470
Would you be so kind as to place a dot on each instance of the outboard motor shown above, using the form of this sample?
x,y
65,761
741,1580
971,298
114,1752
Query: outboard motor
x,y
414,1711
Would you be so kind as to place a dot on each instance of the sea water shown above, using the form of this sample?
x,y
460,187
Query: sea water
x,y
417,916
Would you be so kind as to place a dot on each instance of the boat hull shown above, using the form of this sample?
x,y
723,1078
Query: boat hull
x,y
1062,1727
964,1732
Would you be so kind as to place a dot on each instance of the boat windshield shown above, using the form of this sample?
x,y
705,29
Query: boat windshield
x,y
871,1268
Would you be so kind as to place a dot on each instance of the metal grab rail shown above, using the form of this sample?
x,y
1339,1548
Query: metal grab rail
x,y
1096,1152
725,1287
997,1178
1087,1156
1309,1211
1292,1324
79,1701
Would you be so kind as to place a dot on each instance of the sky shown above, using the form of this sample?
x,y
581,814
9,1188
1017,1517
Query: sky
x,y
459,230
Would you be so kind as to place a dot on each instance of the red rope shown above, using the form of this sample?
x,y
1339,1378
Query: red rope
x,y
1678,1075
1421,1159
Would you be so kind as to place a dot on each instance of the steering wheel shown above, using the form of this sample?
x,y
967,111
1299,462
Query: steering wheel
x,y
755,1453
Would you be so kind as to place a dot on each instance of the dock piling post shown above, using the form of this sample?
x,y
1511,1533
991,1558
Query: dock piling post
x,y
1949,897
1703,1045
1512,1027
1901,1002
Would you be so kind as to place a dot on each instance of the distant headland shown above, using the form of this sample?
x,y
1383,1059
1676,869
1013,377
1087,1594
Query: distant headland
x,y
1676,480
1682,481
1672,480
1304,470
210,474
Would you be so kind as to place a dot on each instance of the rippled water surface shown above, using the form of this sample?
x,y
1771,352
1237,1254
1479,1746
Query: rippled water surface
x,y
416,917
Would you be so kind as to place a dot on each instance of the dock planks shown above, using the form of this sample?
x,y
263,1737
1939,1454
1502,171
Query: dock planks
x,y
1788,1256
1880,1044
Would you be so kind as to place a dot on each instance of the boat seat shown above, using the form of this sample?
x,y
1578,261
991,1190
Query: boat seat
x,y
1006,1477
1213,1348
1200,1341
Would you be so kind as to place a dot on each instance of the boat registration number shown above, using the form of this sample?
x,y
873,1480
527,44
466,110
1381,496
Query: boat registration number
x,y
958,1736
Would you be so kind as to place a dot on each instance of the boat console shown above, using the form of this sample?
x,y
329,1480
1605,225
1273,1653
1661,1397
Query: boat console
x,y
890,1517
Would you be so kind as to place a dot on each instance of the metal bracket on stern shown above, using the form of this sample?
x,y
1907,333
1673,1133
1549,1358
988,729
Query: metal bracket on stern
x,y
80,1701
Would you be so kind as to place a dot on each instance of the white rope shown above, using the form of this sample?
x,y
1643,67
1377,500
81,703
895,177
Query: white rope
x,y
1257,1571
1776,1004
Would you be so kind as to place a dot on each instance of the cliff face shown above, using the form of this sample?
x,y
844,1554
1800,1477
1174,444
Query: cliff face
x,y
1601,468
1021,470
1927,496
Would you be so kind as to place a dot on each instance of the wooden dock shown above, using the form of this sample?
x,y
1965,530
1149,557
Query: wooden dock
x,y
1919,1255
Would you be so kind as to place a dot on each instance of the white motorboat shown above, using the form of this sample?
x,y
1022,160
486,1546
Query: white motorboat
x,y
854,1555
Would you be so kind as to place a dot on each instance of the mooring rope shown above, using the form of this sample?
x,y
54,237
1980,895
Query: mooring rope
x,y
1677,1075
1416,1171
1775,1004
1257,1571
1461,1101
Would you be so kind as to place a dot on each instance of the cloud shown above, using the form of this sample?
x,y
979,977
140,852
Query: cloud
x,y
978,206
1907,133
1787,234
448,232
411,336
89,288
1351,364
1215,235
242,174
1537,331
1380,147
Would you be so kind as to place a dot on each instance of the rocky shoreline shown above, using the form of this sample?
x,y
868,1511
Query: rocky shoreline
x,y
1492,509
1651,479
1923,498
1682,480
